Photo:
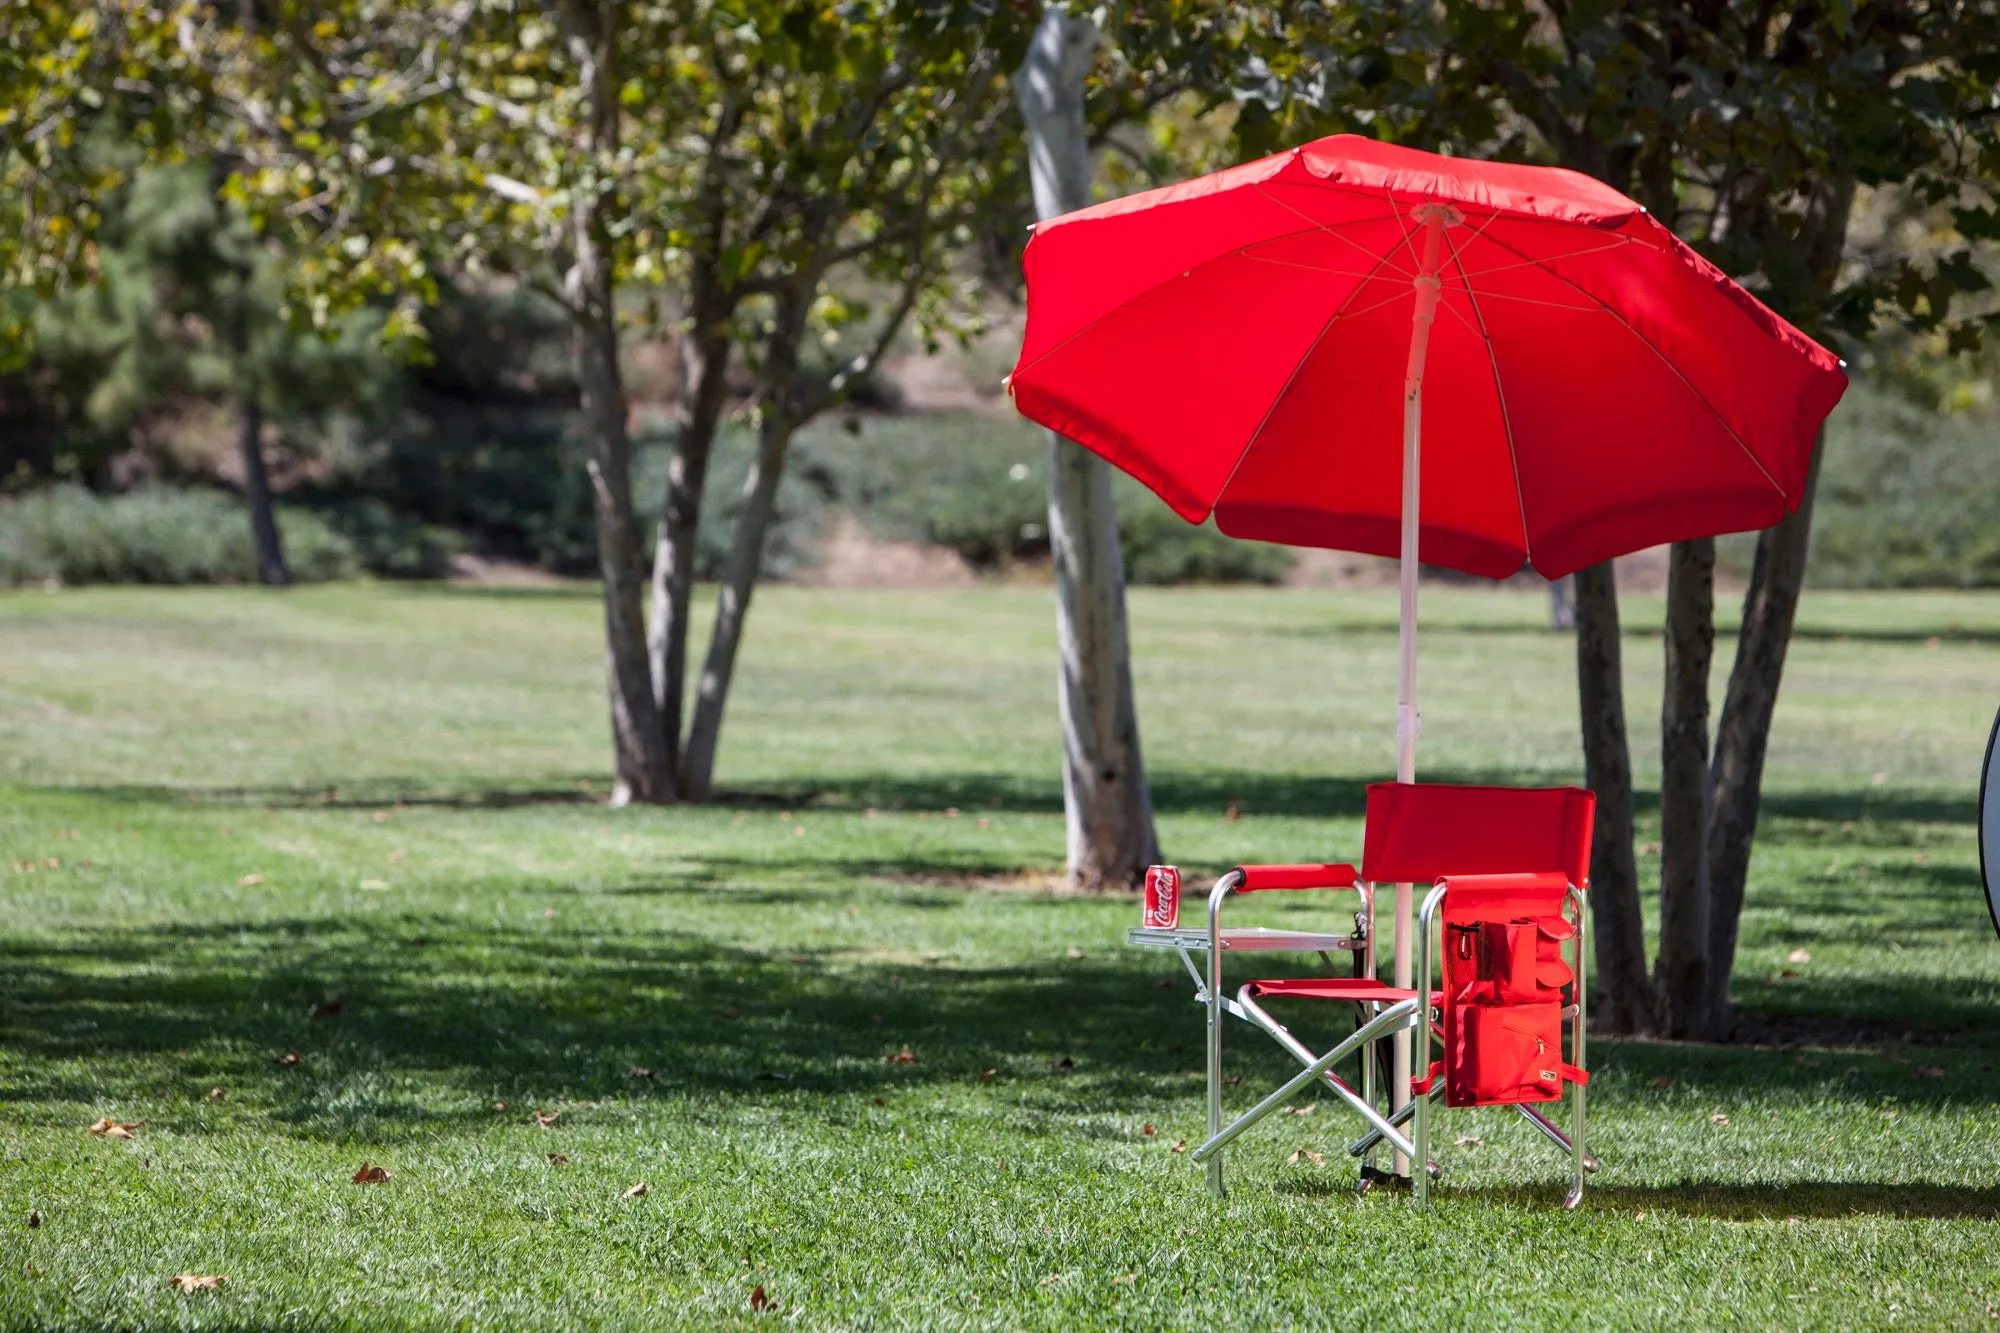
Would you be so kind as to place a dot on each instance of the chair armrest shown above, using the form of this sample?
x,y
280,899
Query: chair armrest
x,y
1256,878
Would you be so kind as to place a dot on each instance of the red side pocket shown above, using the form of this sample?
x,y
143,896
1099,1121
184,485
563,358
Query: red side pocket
x,y
1504,1054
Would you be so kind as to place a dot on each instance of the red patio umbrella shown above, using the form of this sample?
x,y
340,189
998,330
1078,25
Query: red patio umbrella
x,y
1237,342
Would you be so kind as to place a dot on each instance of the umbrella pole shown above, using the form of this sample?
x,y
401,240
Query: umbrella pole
x,y
1409,723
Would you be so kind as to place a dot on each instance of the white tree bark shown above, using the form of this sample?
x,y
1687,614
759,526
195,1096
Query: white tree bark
x,y
1108,808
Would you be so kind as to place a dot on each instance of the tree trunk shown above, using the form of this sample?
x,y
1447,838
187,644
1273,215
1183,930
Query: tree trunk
x,y
639,756
1625,995
1681,974
746,559
1108,808
271,569
1562,604
1741,739
705,363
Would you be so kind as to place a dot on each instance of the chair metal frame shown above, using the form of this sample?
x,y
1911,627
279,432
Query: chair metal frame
x,y
1496,848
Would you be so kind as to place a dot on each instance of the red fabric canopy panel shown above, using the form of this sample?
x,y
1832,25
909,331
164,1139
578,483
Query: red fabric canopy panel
x,y
1593,386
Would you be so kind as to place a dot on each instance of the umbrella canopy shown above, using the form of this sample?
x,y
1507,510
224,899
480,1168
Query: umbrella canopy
x,y
1593,385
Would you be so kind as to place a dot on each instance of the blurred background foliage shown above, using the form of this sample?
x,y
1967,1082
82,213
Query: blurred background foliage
x,y
116,465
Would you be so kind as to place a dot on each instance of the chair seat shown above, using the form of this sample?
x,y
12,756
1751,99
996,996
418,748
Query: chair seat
x,y
1365,990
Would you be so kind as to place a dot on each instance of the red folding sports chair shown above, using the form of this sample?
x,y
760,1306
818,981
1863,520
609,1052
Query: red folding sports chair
x,y
1416,833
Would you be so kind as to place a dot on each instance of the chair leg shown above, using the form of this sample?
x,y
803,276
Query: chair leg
x,y
1566,1142
1581,1160
1282,1035
1392,1019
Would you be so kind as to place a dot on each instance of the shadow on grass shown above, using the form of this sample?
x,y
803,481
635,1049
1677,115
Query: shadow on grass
x,y
1174,792
440,1018
1809,1199
544,1017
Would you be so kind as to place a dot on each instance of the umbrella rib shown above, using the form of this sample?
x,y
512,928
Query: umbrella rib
x,y
1617,243
1331,228
1678,374
1218,257
1309,268
1532,300
1499,392
1250,444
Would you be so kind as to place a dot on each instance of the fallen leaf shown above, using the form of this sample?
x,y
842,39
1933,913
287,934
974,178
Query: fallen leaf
x,y
639,1072
1124,1279
759,1302
115,1129
1232,1079
1718,1119
1923,858
1662,1082
380,817
1787,973
732,1013
1469,1141
880,1102
548,914
1234,812
499,1106
1929,1071
198,1282
951,812
370,1175
638,1191
986,823
395,856
1317,1159
1307,1109
1063,1065
987,1075
1146,1131
325,1009
559,1159
250,881
67,835
1075,952
34,1219
214,1095
547,1121
1181,1146
902,1057
287,1060
1799,956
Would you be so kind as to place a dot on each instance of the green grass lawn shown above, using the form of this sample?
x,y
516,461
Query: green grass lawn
x,y
220,810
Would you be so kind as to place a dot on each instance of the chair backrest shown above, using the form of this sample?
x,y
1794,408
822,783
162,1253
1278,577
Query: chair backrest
x,y
1419,831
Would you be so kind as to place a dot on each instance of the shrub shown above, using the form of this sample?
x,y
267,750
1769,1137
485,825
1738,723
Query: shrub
x,y
980,487
155,535
1908,497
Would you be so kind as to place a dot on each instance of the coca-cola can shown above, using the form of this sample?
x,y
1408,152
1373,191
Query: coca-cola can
x,y
1163,897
